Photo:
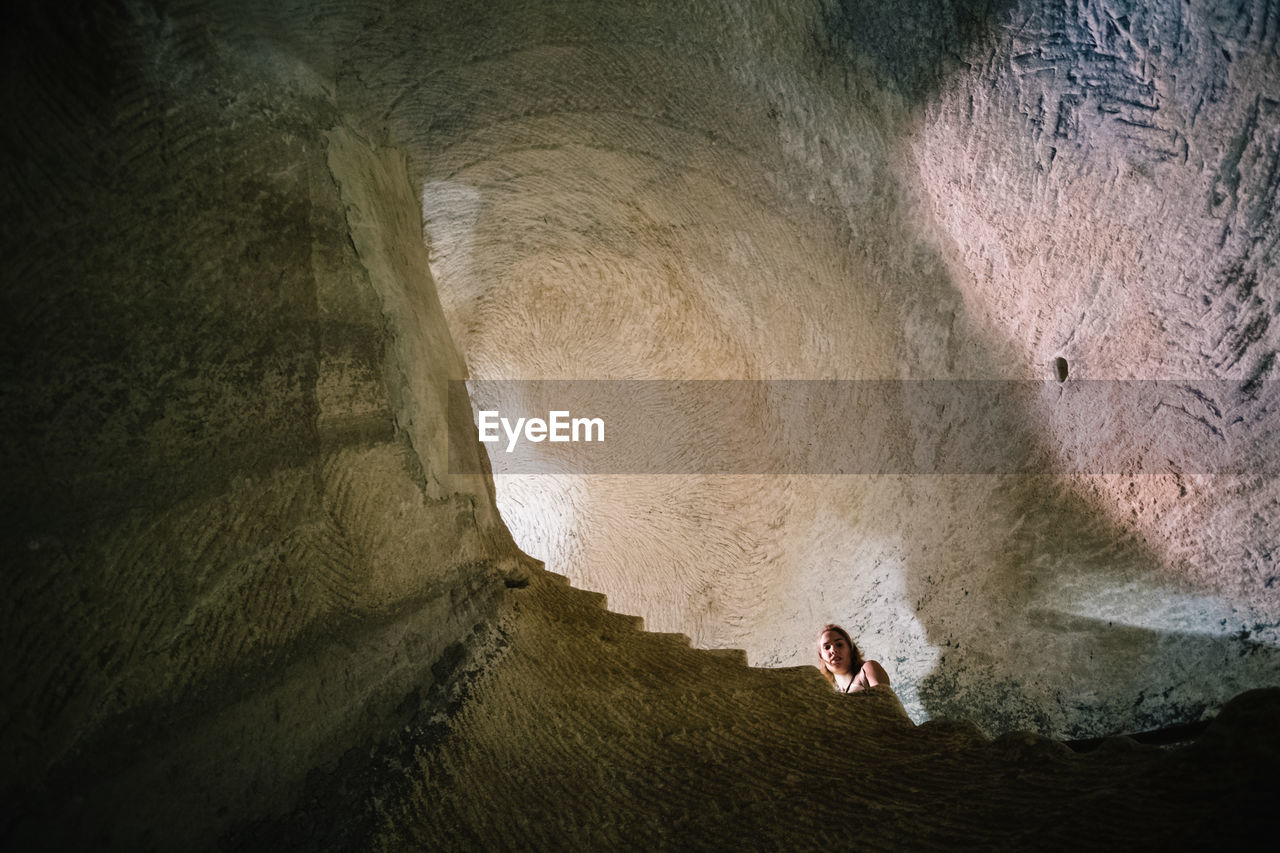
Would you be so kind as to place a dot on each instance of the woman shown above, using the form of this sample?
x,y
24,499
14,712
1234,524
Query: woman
x,y
841,664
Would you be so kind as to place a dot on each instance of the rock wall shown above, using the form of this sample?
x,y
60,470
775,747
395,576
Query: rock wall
x,y
240,561
234,546
850,190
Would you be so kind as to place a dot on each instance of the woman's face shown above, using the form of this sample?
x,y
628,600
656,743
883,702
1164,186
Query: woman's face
x,y
835,652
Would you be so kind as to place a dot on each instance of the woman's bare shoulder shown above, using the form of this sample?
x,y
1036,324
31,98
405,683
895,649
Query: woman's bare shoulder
x,y
875,673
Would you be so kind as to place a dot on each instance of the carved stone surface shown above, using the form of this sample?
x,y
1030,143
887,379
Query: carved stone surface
x,y
928,191
247,247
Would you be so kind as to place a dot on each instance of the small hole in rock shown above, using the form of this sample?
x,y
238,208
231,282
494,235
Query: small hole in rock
x,y
1060,368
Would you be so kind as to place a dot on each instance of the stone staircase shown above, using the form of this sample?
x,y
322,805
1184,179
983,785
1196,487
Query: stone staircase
x,y
582,731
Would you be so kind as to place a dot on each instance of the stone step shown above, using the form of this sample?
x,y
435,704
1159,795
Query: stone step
x,y
631,622
733,655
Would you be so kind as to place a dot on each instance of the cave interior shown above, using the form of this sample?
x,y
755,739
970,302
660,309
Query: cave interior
x,y
950,321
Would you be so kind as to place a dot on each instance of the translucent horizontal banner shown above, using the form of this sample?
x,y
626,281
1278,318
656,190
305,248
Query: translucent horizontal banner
x,y
867,426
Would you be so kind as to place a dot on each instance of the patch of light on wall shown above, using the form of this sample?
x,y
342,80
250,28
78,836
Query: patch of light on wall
x,y
1141,603
539,510
450,211
891,630
870,570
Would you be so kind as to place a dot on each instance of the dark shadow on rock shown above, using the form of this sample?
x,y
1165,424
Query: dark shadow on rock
x,y
915,44
1119,656
1020,657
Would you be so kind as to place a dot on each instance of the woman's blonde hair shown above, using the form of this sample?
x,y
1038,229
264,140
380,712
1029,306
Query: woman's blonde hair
x,y
856,663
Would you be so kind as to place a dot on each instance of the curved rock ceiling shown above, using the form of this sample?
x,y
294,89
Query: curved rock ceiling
x,y
245,548
846,190
851,190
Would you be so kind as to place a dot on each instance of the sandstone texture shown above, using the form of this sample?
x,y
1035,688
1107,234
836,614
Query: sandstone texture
x,y
254,602
853,190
